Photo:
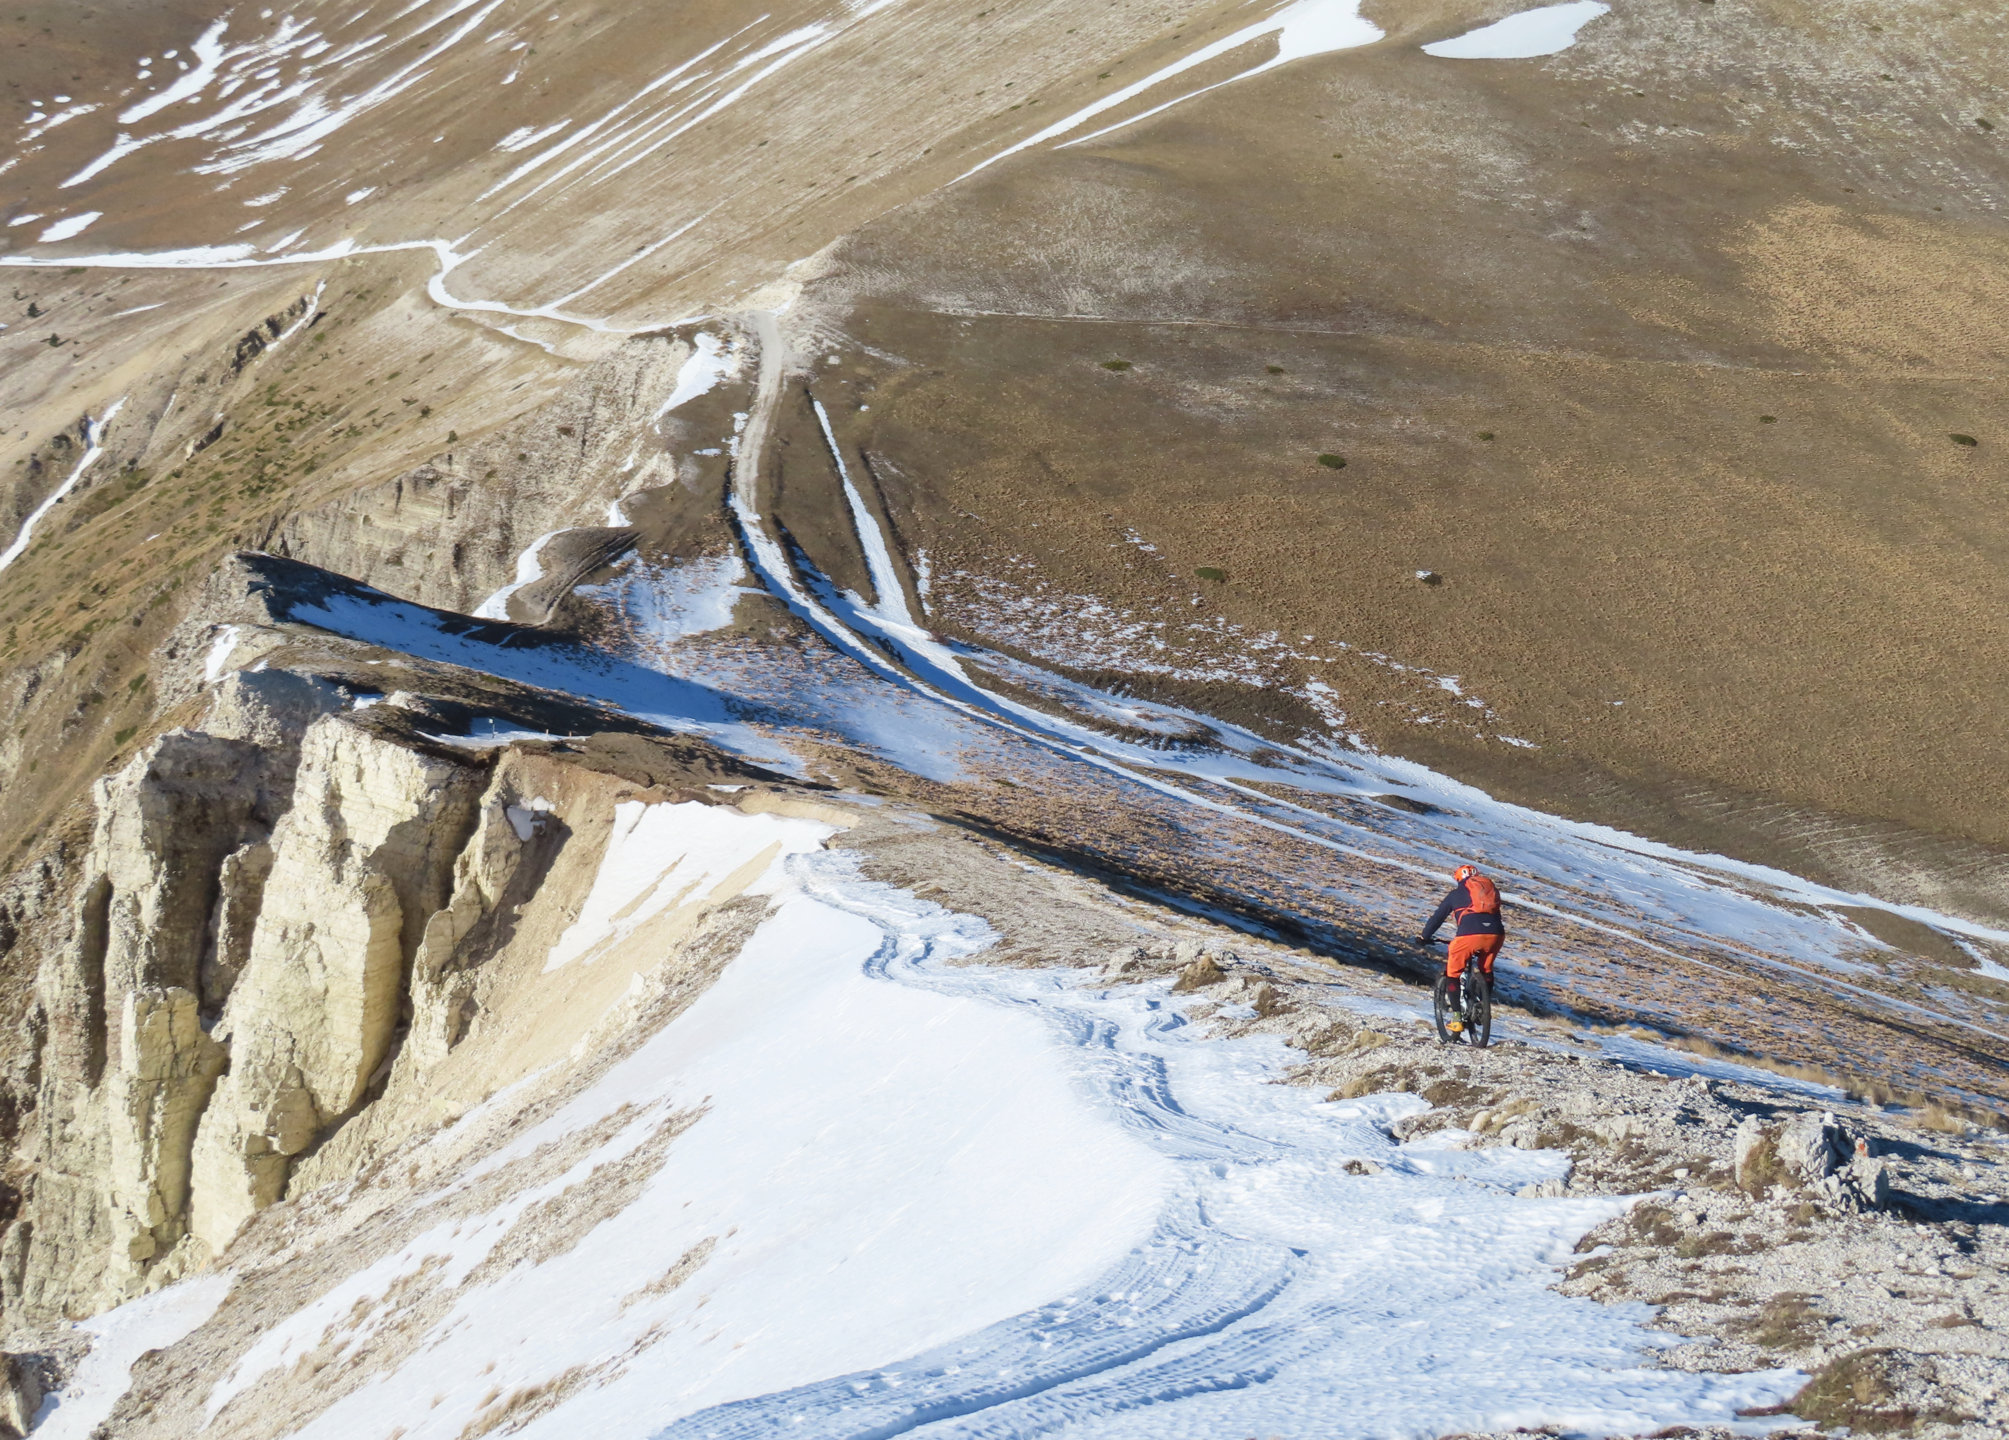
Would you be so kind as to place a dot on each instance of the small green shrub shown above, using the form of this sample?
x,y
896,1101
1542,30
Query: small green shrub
x,y
1485,435
1274,369
1333,462
1768,419
120,737
1211,572
1984,124
1967,440
1115,364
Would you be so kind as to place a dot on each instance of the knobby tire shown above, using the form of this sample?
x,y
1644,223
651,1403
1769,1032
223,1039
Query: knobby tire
x,y
1478,1010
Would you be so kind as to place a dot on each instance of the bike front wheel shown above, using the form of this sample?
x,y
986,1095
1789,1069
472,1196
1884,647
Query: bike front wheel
x,y
1444,1009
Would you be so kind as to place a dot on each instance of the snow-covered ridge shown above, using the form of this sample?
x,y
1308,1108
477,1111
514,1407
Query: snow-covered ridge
x,y
860,1185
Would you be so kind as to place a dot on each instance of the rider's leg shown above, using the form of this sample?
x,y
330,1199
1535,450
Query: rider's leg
x,y
1464,948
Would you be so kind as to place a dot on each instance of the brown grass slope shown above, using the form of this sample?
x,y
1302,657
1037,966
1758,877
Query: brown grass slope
x,y
1655,350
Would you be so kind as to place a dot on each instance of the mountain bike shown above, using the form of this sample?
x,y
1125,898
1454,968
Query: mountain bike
x,y
1463,1008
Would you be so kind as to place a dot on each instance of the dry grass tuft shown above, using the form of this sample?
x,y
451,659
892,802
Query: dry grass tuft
x,y
1938,1117
1787,1322
1858,1391
521,1406
1455,1092
1762,1168
1652,1225
1382,1080
1716,1242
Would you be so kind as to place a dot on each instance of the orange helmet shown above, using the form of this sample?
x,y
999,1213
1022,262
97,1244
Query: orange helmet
x,y
1464,873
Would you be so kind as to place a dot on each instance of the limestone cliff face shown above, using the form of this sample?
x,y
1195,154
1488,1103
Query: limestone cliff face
x,y
359,864
229,974
167,1071
449,532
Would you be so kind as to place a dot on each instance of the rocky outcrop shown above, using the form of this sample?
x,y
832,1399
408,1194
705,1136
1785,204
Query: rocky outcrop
x,y
260,338
167,1068
449,532
443,987
1814,1153
170,947
359,865
22,1385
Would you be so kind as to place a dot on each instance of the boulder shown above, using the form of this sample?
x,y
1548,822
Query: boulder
x,y
1813,1152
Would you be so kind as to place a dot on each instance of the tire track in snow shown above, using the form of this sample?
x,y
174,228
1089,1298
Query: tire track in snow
x,y
1276,1291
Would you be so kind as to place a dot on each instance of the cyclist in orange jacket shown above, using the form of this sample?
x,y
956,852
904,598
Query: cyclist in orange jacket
x,y
1475,902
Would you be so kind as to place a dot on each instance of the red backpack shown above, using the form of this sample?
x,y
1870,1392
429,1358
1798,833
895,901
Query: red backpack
x,y
1485,897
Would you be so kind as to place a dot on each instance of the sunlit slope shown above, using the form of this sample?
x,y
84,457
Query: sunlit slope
x,y
1663,354
1652,348
601,167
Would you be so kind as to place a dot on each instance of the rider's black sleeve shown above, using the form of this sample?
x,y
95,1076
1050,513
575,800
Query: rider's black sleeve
x,y
1457,899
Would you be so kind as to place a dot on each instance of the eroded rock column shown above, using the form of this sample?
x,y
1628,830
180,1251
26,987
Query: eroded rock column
x,y
359,864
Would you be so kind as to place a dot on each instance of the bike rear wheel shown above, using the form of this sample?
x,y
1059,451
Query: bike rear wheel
x,y
1478,1009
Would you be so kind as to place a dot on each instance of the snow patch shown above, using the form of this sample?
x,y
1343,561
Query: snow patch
x,y
94,434
1544,31
524,136
65,228
1304,28
118,1338
529,570
659,857
711,360
664,604
219,654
